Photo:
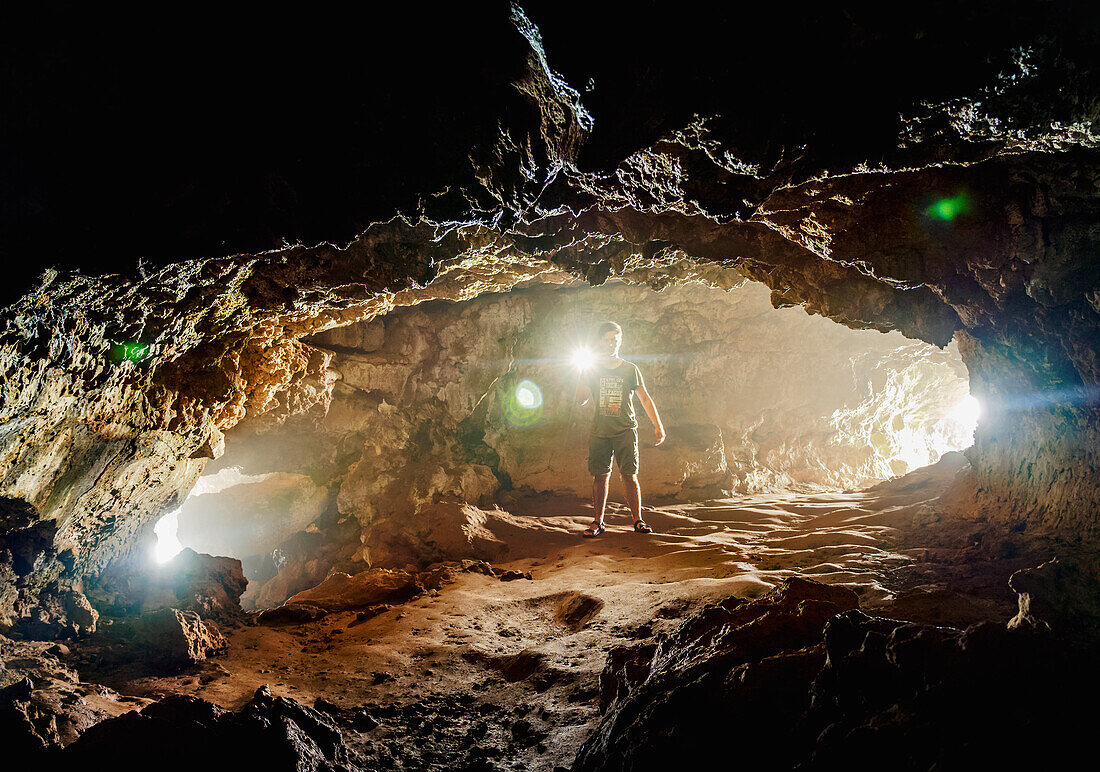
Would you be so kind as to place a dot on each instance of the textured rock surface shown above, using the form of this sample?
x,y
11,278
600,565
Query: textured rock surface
x,y
44,705
800,678
172,639
935,176
341,592
443,531
753,399
185,732
64,613
736,667
209,586
1062,596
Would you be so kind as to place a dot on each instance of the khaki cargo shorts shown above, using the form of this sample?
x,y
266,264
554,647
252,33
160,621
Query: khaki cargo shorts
x,y
624,448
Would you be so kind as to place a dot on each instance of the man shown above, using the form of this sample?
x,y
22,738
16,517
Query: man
x,y
612,383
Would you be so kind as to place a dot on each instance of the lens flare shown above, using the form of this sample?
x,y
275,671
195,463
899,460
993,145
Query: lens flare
x,y
948,208
583,359
523,404
128,351
528,395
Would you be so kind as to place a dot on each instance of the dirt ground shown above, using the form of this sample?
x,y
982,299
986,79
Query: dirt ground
x,y
505,674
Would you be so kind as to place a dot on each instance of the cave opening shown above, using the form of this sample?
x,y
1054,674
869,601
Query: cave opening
x,y
309,306
472,402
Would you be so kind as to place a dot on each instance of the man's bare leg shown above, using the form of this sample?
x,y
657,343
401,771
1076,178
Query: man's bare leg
x,y
633,495
599,495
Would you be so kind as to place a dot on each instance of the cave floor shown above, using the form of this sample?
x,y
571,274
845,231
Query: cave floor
x,y
497,674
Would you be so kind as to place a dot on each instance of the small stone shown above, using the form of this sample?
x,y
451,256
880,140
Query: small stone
x,y
511,576
291,614
364,721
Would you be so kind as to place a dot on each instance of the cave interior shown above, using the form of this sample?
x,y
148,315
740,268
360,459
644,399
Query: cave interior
x,y
293,468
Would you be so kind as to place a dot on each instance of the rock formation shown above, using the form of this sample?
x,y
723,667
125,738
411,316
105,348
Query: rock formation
x,y
800,678
935,176
944,206
425,409
184,732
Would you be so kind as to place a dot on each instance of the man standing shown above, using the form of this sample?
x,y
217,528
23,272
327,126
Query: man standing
x,y
611,383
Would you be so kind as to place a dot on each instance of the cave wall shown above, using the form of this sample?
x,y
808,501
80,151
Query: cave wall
x,y
819,176
423,409
118,389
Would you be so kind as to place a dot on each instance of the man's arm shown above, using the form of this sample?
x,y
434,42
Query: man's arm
x,y
651,411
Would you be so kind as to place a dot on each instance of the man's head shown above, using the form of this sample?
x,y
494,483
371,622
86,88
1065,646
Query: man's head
x,y
609,336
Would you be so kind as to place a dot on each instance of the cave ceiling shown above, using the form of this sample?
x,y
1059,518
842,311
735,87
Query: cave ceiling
x,y
205,208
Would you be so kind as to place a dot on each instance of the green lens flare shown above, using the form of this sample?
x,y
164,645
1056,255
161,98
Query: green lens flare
x,y
129,351
523,404
947,209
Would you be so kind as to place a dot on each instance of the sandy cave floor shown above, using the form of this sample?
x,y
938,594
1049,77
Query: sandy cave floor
x,y
490,673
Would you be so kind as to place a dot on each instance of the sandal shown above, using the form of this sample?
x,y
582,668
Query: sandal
x,y
593,531
641,527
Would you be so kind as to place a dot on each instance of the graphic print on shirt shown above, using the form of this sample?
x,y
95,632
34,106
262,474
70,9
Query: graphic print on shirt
x,y
611,394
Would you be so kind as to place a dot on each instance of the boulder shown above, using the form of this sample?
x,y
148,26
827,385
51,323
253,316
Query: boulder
x,y
291,614
294,577
172,638
1061,595
183,732
738,672
44,703
63,613
801,679
342,592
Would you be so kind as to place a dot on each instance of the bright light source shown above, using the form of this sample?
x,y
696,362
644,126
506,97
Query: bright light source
x,y
583,358
966,411
168,543
167,528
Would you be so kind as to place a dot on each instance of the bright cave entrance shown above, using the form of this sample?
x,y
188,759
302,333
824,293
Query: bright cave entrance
x,y
472,403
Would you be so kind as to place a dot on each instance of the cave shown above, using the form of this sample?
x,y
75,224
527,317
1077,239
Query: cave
x,y
293,450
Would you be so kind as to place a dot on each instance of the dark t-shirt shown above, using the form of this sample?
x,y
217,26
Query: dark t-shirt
x,y
613,392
